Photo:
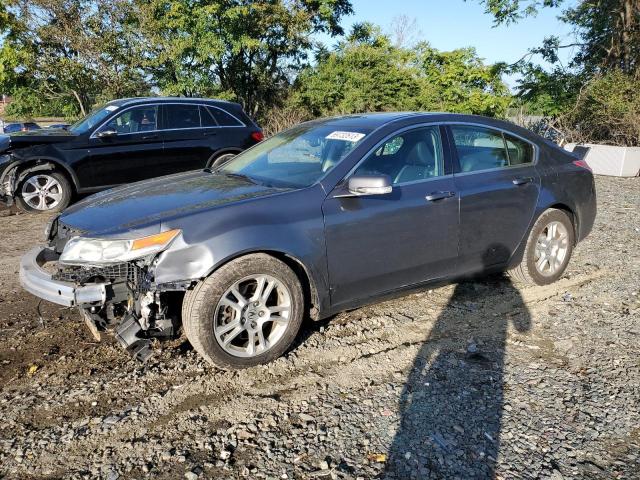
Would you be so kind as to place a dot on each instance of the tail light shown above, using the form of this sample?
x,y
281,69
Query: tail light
x,y
582,164
258,136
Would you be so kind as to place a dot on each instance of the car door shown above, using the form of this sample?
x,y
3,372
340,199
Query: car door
x,y
121,149
186,142
376,244
498,186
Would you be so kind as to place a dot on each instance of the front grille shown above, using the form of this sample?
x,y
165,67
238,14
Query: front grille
x,y
119,272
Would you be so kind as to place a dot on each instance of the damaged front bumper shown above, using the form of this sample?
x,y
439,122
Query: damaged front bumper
x,y
125,303
36,280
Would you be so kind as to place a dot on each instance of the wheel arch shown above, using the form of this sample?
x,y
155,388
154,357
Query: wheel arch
x,y
309,285
517,256
572,216
26,166
221,152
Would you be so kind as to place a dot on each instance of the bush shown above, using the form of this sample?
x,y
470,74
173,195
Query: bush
x,y
27,103
607,111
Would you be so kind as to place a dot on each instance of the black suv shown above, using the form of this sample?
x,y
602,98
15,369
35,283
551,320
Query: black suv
x,y
122,142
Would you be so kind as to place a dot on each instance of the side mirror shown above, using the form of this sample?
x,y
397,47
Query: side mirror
x,y
106,134
370,185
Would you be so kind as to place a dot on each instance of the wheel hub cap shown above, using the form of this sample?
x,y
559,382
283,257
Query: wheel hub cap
x,y
551,248
41,192
252,315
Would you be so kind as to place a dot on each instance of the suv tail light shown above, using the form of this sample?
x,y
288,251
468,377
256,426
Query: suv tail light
x,y
258,136
582,164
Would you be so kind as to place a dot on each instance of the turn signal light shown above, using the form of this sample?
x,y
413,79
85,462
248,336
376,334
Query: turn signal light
x,y
154,240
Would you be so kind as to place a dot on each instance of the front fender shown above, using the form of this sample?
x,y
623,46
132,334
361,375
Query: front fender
x,y
288,224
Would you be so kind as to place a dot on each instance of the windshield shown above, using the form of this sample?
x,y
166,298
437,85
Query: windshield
x,y
298,157
87,123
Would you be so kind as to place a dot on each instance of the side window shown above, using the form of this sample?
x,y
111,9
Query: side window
x,y
223,118
408,157
182,116
134,120
479,148
207,118
520,152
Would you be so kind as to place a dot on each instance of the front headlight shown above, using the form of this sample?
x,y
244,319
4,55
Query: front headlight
x,y
82,251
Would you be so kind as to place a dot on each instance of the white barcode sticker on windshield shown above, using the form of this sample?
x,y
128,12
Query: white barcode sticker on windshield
x,y
348,136
111,108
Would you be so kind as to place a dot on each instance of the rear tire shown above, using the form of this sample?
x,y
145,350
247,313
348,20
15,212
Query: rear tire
x,y
44,192
224,158
246,313
548,250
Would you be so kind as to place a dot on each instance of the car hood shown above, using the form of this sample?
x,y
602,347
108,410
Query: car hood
x,y
34,137
144,205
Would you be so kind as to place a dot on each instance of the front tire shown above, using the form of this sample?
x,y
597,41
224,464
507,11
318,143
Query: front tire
x,y
44,192
246,313
548,250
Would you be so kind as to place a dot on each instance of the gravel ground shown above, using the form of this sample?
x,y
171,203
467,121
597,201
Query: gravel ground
x,y
476,380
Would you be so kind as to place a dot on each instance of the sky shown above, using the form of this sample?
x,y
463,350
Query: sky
x,y
451,24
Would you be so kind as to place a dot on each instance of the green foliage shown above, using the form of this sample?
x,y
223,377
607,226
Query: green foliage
x,y
69,50
606,111
236,49
509,11
548,93
27,103
368,73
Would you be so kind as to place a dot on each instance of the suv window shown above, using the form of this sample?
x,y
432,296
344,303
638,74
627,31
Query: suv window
x,y
223,118
182,116
519,151
134,120
408,157
206,117
479,148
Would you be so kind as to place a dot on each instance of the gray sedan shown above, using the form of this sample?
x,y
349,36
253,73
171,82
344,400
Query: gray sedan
x,y
327,216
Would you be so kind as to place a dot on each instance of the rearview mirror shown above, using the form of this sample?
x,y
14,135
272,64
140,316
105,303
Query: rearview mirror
x,y
106,134
370,185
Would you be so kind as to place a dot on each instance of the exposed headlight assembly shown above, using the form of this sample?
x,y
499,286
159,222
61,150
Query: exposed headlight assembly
x,y
95,251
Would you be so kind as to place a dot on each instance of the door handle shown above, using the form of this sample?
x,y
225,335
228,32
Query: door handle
x,y
522,180
149,137
209,134
432,197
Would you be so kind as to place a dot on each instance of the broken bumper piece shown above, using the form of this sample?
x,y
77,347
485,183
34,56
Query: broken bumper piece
x,y
36,280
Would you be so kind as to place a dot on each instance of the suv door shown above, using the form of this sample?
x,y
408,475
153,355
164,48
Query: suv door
x,y
376,244
121,150
498,186
185,146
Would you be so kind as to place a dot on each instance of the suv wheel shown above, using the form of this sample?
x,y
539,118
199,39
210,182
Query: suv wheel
x,y
246,313
44,192
224,158
548,249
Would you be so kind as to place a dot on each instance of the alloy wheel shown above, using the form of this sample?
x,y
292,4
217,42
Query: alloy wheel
x,y
42,192
252,315
551,249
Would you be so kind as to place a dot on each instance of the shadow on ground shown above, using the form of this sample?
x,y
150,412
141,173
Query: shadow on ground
x,y
452,404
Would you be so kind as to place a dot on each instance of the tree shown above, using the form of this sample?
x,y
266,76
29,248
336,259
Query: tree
x,y
607,31
367,72
246,50
70,49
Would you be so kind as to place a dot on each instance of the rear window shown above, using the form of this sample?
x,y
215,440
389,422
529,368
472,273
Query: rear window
x,y
520,152
182,116
223,118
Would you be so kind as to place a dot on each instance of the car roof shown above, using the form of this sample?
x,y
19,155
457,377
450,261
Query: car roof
x,y
135,100
376,120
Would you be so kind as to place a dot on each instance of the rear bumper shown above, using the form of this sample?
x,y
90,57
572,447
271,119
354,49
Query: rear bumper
x,y
37,281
